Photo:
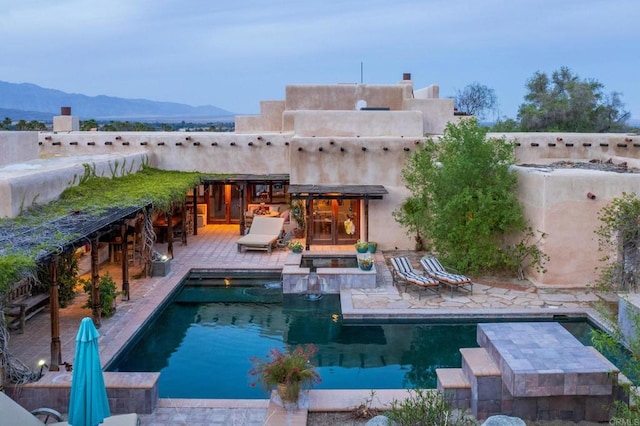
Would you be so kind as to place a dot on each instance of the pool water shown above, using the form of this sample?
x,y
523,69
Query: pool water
x,y
316,261
203,341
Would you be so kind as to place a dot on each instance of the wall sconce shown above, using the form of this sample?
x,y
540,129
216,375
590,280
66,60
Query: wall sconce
x,y
591,195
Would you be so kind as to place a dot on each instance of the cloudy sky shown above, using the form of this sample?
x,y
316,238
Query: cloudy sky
x,y
233,54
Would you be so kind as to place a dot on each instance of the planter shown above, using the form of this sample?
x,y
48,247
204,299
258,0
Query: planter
x,y
373,247
296,250
365,267
160,268
362,249
288,392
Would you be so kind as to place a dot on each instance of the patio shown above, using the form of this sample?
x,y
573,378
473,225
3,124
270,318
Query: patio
x,y
215,247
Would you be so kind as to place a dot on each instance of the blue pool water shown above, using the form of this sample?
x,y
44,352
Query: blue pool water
x,y
203,340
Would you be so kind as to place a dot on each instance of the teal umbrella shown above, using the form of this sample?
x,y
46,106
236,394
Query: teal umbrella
x,y
88,404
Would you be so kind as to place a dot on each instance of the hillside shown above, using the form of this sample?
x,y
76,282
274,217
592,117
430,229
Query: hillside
x,y
30,100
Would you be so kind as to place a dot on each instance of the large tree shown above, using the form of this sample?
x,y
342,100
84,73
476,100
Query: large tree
x,y
475,99
463,201
564,102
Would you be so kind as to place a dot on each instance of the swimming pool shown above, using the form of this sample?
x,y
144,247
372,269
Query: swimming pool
x,y
202,341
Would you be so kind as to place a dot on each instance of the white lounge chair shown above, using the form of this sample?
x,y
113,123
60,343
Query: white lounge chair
x,y
403,271
12,413
434,269
263,234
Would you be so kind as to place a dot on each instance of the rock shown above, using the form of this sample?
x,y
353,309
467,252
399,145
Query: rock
x,y
379,421
501,420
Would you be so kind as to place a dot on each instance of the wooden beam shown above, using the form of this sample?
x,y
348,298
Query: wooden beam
x,y
125,261
56,349
95,284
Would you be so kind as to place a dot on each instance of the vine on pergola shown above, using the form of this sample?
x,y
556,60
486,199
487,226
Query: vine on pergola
x,y
45,230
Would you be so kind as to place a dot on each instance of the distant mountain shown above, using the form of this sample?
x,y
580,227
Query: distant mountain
x,y
24,100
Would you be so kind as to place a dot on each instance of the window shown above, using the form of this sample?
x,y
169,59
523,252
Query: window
x,y
275,193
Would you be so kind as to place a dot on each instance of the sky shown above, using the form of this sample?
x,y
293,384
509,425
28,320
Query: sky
x,y
234,54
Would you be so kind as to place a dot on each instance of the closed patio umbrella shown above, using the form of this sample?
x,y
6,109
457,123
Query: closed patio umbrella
x,y
88,403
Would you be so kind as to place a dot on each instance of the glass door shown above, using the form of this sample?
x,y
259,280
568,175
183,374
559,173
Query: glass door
x,y
334,221
224,204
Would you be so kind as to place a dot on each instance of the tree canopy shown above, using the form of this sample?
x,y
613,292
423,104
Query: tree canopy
x,y
564,102
475,99
463,200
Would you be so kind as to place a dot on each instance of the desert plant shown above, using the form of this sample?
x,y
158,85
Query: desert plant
x,y
295,246
361,246
290,368
426,408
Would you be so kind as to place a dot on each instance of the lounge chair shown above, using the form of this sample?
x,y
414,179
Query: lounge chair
x,y
403,271
12,413
263,234
434,269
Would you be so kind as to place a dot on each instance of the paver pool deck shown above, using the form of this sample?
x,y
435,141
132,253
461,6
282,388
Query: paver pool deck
x,y
215,248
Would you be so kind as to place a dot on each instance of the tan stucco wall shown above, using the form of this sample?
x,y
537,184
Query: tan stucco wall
x,y
343,96
354,123
17,147
556,203
269,120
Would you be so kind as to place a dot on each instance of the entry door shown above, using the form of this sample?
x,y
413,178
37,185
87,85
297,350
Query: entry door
x,y
334,221
224,204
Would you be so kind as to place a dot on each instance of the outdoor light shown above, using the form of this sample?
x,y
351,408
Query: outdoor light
x,y
164,258
42,364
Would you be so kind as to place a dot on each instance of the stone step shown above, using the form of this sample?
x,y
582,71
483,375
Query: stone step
x,y
476,362
455,386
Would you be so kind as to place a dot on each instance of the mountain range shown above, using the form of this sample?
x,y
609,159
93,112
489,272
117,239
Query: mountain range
x,y
25,101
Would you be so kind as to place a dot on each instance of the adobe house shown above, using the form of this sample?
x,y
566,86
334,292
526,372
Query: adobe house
x,y
340,149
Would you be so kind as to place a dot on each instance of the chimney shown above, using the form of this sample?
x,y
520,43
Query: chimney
x,y
65,110
406,76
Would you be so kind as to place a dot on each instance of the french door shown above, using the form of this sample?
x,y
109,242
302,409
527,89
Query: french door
x,y
224,204
334,221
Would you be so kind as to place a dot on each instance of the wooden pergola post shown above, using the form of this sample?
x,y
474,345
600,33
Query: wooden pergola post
x,y
307,228
56,350
95,284
243,208
125,261
366,220
195,210
170,232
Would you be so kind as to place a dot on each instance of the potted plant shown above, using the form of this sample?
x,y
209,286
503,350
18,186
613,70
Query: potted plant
x,y
108,293
296,246
287,371
297,213
373,246
365,262
362,246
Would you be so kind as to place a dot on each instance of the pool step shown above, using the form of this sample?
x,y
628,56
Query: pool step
x,y
455,386
485,378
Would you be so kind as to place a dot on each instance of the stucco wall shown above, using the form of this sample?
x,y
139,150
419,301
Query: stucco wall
x,y
17,147
354,123
343,96
269,120
556,203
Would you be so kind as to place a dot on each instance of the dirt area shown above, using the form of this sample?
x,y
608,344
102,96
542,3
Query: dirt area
x,y
346,419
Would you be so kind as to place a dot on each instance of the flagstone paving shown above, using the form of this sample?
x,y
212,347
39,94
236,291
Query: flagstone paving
x,y
215,247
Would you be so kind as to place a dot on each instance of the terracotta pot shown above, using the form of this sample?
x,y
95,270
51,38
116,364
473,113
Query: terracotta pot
x,y
288,392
